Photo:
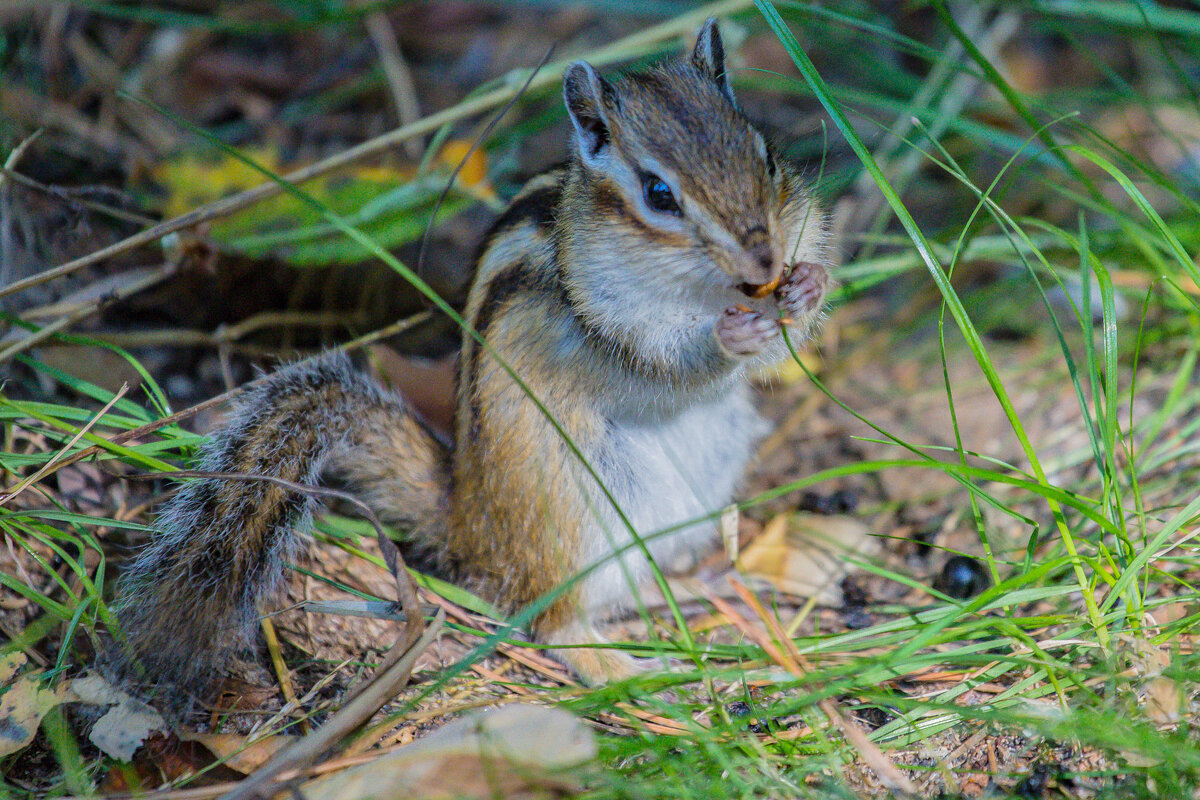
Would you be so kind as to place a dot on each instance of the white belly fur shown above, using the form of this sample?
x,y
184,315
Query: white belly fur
x,y
664,474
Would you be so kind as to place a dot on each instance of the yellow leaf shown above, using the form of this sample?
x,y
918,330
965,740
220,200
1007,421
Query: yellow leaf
x,y
191,182
24,703
804,554
238,752
474,172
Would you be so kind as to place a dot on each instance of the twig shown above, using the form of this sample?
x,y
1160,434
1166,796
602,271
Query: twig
x,y
71,196
50,465
226,336
5,222
96,291
390,330
398,75
138,282
266,729
14,157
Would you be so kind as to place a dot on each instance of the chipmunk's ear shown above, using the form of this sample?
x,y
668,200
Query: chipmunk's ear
x,y
589,100
709,57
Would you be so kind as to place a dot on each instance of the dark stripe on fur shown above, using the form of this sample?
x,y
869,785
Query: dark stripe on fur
x,y
507,285
538,207
609,201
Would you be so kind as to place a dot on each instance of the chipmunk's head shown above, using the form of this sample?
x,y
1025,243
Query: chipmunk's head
x,y
673,162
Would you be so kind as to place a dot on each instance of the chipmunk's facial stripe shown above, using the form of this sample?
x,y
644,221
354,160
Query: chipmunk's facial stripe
x,y
610,199
755,236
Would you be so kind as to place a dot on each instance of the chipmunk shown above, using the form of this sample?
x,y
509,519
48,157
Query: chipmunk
x,y
632,291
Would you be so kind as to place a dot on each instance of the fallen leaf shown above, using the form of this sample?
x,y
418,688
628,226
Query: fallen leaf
x,y
10,665
163,759
25,701
391,205
239,752
126,725
513,752
805,554
1163,701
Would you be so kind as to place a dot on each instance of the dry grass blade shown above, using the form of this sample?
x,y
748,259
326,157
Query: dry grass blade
x,y
399,76
532,659
281,670
14,157
57,461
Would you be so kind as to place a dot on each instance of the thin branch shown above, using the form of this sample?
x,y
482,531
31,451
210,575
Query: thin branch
x,y
398,75
71,196
140,282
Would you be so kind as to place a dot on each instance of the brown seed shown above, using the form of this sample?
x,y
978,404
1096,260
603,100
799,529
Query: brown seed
x,y
761,290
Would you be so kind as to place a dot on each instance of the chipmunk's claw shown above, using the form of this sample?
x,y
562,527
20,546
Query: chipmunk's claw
x,y
743,332
803,291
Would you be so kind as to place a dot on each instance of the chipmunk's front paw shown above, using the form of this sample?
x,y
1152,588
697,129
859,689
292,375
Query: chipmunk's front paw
x,y
743,332
803,290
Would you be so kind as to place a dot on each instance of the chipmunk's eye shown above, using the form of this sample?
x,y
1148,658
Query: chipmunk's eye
x,y
658,195
771,168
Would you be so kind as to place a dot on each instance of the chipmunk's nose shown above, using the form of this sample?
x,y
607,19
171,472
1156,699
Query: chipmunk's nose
x,y
762,265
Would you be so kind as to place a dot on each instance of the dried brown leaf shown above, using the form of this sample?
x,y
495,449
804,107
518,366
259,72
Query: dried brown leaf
x,y
516,751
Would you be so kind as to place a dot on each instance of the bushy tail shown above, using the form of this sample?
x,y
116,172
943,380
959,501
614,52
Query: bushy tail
x,y
191,598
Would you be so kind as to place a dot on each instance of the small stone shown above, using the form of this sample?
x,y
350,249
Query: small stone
x,y
962,578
